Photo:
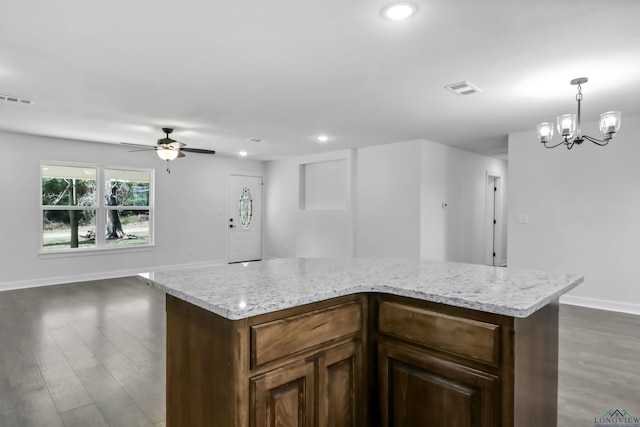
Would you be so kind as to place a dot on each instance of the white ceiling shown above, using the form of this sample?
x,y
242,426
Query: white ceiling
x,y
285,71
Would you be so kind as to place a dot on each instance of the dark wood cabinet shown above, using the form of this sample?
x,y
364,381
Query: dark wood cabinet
x,y
327,382
339,386
361,360
422,390
300,367
435,368
285,396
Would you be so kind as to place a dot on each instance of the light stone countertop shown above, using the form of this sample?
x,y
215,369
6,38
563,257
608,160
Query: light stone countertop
x,y
239,291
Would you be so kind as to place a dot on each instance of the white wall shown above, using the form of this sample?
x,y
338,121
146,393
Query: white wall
x,y
393,207
458,178
293,231
583,209
396,195
388,200
190,211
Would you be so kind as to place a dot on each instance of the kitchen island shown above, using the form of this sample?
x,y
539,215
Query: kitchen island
x,y
361,342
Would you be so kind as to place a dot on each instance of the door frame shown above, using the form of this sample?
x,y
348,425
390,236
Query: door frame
x,y
493,211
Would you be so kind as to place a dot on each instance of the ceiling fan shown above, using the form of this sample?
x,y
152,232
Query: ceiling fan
x,y
169,149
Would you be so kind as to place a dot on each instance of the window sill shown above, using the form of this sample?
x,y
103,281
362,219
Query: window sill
x,y
66,253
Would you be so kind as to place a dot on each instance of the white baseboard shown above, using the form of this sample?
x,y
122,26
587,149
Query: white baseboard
x,y
601,304
34,283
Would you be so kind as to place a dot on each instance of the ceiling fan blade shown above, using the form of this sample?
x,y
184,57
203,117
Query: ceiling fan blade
x,y
180,154
142,149
149,147
198,150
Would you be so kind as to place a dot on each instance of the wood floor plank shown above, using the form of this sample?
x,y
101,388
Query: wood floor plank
x,y
599,364
66,389
35,406
93,338
85,416
148,393
113,402
77,353
8,411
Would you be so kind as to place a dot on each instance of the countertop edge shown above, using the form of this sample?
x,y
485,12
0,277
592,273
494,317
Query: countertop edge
x,y
357,289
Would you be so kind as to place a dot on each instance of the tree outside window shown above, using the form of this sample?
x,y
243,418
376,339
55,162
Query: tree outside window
x,y
79,214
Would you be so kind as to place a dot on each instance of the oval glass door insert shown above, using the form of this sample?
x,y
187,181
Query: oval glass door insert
x,y
245,208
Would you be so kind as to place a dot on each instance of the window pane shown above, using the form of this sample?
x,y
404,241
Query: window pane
x,y
68,229
127,187
245,208
127,227
68,185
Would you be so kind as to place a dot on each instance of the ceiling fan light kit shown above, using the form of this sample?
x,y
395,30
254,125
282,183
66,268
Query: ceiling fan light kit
x,y
167,153
569,125
169,149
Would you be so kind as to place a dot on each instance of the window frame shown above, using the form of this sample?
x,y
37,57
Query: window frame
x,y
101,208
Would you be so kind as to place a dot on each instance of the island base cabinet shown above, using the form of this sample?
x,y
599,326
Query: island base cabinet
x,y
339,380
359,361
327,382
284,397
421,390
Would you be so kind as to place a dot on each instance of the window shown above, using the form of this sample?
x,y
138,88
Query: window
x,y
77,213
245,208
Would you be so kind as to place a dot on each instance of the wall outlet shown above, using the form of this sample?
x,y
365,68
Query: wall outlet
x,y
523,219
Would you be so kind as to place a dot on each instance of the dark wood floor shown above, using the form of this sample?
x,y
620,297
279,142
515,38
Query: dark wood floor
x,y
92,354
599,364
85,354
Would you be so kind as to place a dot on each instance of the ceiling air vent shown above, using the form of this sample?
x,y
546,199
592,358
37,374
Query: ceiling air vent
x,y
15,100
256,140
463,88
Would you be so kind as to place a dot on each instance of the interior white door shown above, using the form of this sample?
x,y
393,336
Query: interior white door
x,y
493,222
245,218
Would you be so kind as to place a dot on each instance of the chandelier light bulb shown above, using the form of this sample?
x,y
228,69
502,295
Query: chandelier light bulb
x,y
545,131
609,122
567,125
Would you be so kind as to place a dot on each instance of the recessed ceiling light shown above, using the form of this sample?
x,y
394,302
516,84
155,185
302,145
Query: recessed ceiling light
x,y
399,11
323,138
243,153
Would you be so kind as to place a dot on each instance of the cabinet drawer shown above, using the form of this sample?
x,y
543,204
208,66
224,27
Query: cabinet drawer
x,y
273,340
468,338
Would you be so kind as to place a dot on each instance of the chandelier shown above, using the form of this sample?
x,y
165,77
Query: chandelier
x,y
569,125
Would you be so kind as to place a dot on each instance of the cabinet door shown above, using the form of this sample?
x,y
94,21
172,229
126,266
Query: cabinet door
x,y
417,389
284,397
339,386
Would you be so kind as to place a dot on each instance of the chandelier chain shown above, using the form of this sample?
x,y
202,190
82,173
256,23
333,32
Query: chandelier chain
x,y
579,94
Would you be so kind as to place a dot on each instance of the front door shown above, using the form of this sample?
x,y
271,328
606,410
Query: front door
x,y
245,218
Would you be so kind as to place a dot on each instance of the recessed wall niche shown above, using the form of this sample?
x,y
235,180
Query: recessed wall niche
x,y
323,185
